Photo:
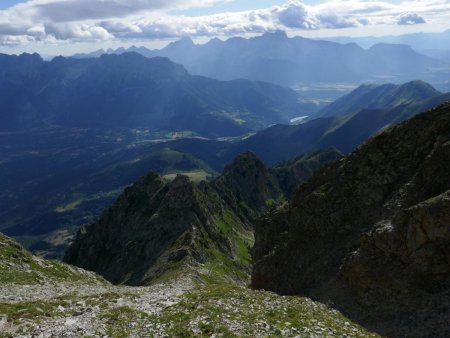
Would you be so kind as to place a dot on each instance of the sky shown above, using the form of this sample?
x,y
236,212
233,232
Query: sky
x,y
68,26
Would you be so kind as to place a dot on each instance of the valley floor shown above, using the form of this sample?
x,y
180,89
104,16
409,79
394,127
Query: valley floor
x,y
183,307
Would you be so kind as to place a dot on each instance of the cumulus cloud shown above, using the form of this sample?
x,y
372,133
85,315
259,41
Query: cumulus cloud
x,y
410,19
99,20
77,32
295,15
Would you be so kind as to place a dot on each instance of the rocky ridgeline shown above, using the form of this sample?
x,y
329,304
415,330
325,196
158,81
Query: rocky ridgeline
x,y
371,233
159,227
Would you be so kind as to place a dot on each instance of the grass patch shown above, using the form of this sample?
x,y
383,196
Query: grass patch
x,y
33,310
235,266
227,223
18,266
69,207
232,311
122,321
222,268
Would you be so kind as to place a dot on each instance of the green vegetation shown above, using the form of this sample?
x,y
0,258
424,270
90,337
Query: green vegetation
x,y
227,223
240,118
221,304
234,311
225,267
69,207
18,266
243,246
121,321
33,310
222,268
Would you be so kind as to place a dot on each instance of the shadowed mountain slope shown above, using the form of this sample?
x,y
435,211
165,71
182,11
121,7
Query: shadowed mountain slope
x,y
131,91
385,96
345,133
371,232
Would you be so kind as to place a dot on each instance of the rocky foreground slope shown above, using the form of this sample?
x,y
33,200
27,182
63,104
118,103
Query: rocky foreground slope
x,y
371,233
41,298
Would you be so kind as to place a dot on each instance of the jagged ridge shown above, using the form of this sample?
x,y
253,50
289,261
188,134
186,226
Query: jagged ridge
x,y
157,227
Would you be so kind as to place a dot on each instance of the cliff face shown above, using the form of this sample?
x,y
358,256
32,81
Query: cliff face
x,y
371,233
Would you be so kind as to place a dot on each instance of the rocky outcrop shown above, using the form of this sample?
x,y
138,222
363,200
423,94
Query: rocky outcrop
x,y
371,233
248,186
152,227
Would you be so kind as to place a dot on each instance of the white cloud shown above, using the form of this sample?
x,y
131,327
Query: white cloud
x,y
99,20
77,32
296,15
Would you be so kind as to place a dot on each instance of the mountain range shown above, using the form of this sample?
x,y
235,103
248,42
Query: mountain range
x,y
73,174
131,91
185,206
364,112
373,96
276,58
367,233
429,43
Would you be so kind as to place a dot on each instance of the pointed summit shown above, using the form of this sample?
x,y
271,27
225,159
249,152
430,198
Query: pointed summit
x,y
278,34
247,182
182,43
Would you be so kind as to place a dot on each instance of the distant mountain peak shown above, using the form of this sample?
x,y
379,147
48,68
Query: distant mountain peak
x,y
278,34
383,96
183,42
418,83
416,90
31,57
391,47
246,159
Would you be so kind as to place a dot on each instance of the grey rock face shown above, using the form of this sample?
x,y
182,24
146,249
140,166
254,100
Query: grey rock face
x,y
372,232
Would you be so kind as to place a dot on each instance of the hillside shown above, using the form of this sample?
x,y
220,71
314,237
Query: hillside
x,y
19,267
385,96
345,133
295,171
370,233
276,58
131,91
71,175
